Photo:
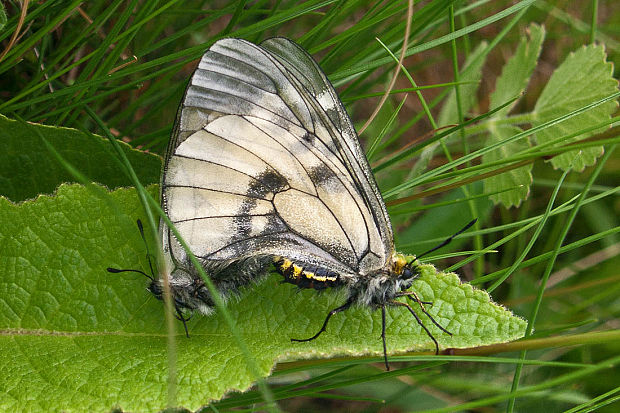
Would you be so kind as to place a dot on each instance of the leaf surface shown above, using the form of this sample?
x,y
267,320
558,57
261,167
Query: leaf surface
x,y
517,71
28,168
513,186
77,338
584,77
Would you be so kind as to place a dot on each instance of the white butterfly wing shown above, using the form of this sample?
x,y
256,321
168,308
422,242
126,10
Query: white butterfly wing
x,y
265,161
306,70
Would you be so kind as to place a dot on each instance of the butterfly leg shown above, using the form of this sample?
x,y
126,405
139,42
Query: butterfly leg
x,y
387,366
410,293
329,315
421,303
419,322
179,316
415,298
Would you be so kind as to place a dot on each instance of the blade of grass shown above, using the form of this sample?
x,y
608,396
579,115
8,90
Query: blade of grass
x,y
433,43
596,402
545,256
410,151
566,378
99,65
399,65
373,145
534,237
551,263
14,54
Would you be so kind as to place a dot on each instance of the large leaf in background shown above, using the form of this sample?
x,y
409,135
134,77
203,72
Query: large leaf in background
x,y
513,81
76,338
584,77
27,168
471,73
519,179
517,71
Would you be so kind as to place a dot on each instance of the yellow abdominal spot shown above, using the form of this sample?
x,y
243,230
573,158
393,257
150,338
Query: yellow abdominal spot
x,y
297,271
320,278
286,264
313,276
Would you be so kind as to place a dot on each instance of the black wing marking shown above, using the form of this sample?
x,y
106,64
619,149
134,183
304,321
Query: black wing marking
x,y
262,162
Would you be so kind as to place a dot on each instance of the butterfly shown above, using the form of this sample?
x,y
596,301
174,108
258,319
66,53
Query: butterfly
x,y
265,171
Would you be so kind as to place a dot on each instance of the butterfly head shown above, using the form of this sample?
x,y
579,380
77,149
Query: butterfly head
x,y
156,288
186,289
404,269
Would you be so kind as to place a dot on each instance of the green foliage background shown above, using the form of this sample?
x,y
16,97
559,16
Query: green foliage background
x,y
540,174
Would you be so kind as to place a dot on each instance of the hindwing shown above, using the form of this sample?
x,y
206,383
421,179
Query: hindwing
x,y
265,161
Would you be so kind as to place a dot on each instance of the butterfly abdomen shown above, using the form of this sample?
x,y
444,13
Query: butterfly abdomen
x,y
306,276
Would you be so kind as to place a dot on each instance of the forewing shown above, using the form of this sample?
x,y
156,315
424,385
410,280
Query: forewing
x,y
304,69
258,166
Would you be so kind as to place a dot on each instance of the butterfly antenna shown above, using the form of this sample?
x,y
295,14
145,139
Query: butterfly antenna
x,y
146,245
449,240
117,270
148,257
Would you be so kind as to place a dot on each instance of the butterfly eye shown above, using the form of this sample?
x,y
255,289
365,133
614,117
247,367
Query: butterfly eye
x,y
408,273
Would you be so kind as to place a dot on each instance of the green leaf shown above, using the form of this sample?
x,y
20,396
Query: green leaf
x,y
513,81
517,71
88,340
472,73
27,168
584,77
520,178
